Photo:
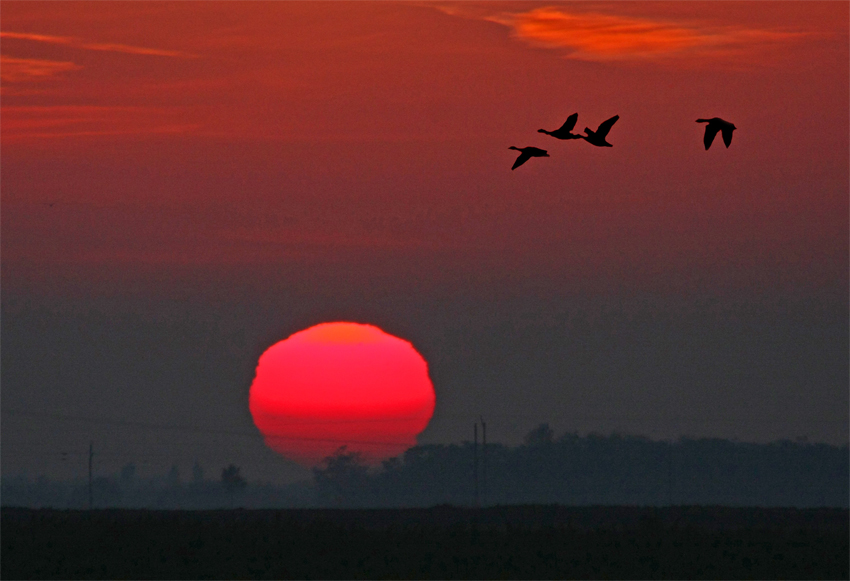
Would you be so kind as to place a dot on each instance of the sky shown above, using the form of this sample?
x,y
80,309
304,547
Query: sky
x,y
185,184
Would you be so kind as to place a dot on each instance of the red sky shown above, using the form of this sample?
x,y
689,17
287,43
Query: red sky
x,y
350,161
263,133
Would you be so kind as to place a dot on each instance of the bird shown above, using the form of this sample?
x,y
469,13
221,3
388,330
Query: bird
x,y
527,153
564,132
597,137
716,124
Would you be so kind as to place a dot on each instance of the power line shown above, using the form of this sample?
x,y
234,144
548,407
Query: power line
x,y
561,417
204,430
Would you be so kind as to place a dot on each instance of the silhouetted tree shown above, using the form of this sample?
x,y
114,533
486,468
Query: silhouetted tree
x,y
128,472
232,481
106,491
197,473
174,475
342,478
391,464
540,436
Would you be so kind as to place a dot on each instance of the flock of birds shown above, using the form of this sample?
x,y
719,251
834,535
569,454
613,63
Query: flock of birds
x,y
597,138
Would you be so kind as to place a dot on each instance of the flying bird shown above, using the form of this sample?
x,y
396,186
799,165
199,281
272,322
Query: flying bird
x,y
597,137
527,153
716,124
565,131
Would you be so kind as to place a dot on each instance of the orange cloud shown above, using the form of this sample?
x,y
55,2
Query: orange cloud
x,y
105,46
18,76
16,70
606,37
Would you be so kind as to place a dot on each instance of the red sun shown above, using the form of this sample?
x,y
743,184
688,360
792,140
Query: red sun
x,y
341,384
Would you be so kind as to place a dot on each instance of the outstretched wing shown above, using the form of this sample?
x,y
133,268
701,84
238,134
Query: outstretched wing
x,y
523,157
569,123
606,126
710,131
727,135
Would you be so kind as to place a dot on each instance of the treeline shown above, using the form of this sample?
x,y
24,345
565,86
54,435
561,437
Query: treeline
x,y
127,490
595,469
569,470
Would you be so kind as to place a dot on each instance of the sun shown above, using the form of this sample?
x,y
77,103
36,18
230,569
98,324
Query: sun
x,y
341,384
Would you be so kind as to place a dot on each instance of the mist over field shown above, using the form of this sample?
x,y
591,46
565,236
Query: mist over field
x,y
568,470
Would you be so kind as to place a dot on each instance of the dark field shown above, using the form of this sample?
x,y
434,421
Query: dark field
x,y
518,542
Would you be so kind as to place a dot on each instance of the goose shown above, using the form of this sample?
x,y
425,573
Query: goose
x,y
527,153
716,124
564,132
597,137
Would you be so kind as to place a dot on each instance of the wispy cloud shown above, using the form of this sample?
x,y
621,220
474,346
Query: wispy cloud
x,y
16,70
610,37
104,46
37,122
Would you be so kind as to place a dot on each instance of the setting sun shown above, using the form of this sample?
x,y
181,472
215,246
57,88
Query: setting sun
x,y
341,384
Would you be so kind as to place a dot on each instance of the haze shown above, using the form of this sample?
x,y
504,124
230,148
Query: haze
x,y
185,184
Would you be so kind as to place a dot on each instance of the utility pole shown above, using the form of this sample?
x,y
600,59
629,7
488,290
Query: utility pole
x,y
670,474
91,454
483,461
475,461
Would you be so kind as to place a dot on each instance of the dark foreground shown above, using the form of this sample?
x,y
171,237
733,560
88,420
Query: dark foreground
x,y
517,542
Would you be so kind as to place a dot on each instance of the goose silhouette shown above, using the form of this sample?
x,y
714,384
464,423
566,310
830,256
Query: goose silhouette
x,y
716,124
597,137
527,153
565,131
